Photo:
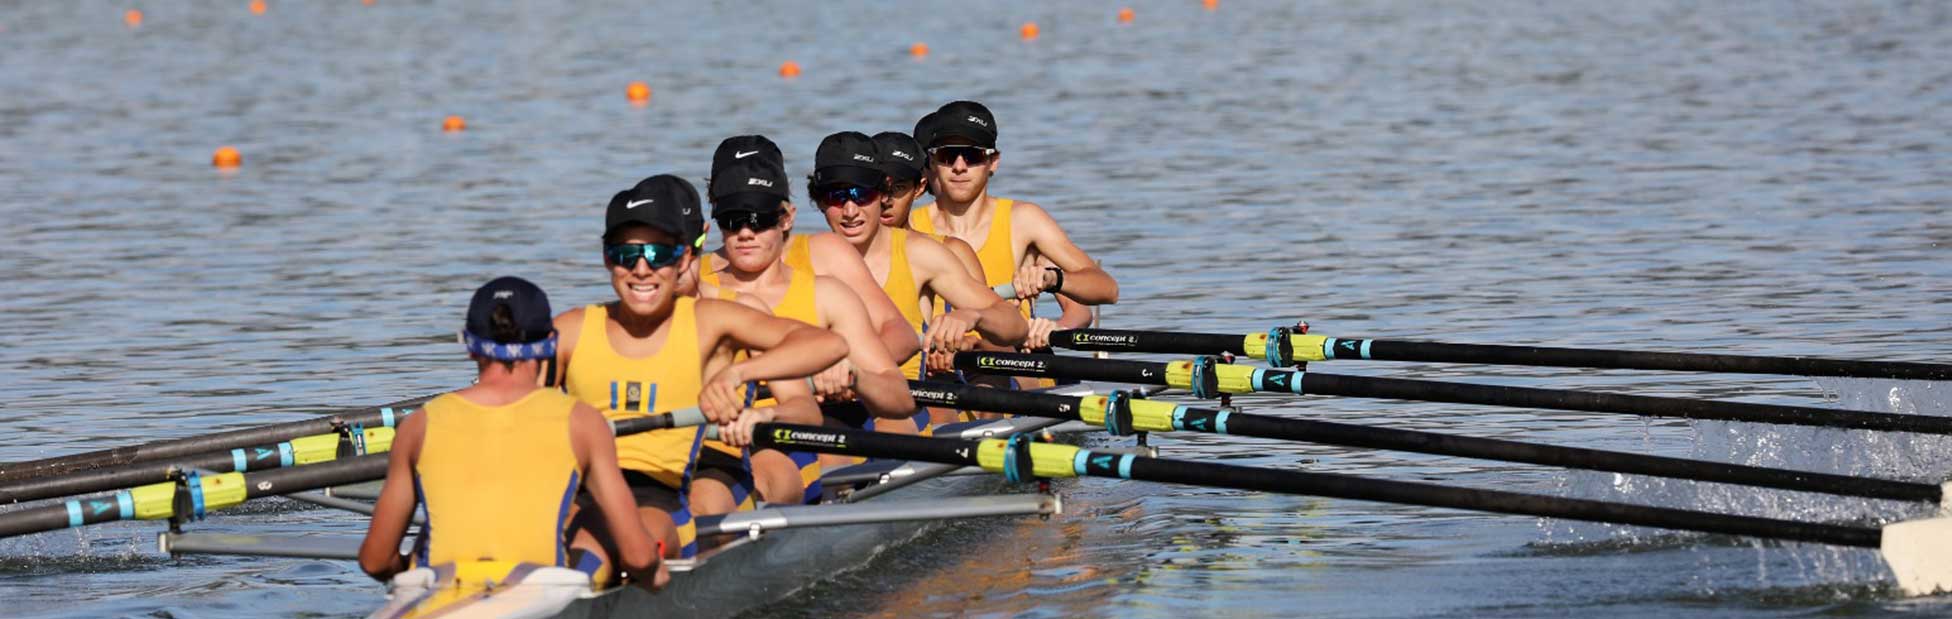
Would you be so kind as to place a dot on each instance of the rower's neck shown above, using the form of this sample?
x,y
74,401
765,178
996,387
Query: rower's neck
x,y
499,385
962,217
875,249
775,274
640,325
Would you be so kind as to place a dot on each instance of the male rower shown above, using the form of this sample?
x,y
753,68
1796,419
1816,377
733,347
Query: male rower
x,y
1016,242
653,350
848,184
823,253
902,159
496,464
753,213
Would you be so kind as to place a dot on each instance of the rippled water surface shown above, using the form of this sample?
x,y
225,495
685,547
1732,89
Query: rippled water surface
x,y
1762,177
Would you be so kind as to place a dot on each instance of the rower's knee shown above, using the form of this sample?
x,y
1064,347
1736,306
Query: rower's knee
x,y
777,477
711,497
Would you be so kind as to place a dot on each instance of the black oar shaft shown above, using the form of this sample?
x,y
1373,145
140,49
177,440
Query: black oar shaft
x,y
259,484
1317,383
141,502
1309,347
177,448
1352,435
1124,466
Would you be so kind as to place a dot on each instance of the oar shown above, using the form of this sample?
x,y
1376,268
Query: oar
x,y
1207,379
1916,550
380,416
1290,348
206,492
296,452
1121,415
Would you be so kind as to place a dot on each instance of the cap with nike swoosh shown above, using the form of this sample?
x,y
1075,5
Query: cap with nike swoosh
x,y
660,202
748,175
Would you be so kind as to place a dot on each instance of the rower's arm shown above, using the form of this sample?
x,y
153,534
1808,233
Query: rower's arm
x,y
833,257
1084,281
794,349
596,448
793,399
996,320
965,255
379,554
877,380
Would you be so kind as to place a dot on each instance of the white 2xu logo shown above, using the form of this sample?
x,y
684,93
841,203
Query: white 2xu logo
x,y
758,181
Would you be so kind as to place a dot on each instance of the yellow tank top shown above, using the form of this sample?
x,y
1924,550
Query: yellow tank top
x,y
900,287
799,252
996,255
798,303
497,480
624,387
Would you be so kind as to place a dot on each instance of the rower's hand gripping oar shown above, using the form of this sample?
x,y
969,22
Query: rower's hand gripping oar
x,y
1918,551
1121,414
194,493
1206,378
1283,348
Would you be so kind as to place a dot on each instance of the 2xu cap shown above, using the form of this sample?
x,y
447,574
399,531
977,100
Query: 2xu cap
x,y
748,175
901,156
847,158
528,309
958,119
663,202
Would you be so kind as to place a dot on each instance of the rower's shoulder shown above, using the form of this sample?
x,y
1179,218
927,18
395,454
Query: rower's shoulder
x,y
825,244
570,319
1022,210
713,306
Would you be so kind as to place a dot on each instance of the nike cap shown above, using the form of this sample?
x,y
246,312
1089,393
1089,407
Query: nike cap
x,y
753,185
663,202
745,148
958,119
847,158
901,156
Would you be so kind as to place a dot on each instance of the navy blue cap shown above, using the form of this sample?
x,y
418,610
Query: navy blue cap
x,y
534,335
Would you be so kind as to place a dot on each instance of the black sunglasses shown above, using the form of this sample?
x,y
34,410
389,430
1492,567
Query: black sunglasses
x,y
731,223
971,155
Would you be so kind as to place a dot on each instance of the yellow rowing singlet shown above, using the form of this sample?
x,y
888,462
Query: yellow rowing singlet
x,y
900,287
624,387
799,252
798,304
497,480
996,255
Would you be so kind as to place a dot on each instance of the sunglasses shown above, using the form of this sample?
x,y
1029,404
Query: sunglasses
x,y
732,223
840,196
971,155
658,255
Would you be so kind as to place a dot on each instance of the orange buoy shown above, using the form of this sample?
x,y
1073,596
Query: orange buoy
x,y
638,92
1028,31
366,2
257,7
226,157
1125,15
1211,4
789,69
133,18
918,50
453,124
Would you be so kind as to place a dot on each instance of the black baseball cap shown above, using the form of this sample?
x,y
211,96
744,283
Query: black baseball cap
x,y
752,185
963,119
528,310
847,158
901,156
745,148
664,202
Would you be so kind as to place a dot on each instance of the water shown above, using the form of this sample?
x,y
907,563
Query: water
x,y
1751,177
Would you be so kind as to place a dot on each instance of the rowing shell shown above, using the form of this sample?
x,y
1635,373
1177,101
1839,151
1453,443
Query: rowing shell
x,y
761,566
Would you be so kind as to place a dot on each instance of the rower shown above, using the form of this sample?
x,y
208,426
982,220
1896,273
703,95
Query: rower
x,y
1017,242
538,446
753,213
848,184
902,159
823,253
652,350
